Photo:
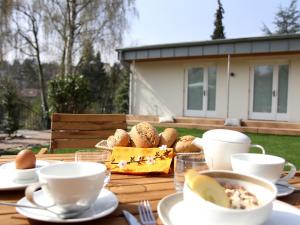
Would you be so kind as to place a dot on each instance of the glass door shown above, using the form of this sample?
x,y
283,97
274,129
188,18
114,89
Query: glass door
x,y
269,92
200,83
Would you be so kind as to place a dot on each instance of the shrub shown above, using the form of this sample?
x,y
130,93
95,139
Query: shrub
x,y
69,94
10,106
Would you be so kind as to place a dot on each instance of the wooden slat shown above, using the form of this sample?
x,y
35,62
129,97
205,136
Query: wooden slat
x,y
65,117
74,143
106,125
82,134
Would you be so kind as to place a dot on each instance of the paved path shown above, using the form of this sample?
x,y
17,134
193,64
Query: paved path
x,y
25,138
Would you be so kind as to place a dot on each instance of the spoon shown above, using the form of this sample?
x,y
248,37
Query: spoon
x,y
67,215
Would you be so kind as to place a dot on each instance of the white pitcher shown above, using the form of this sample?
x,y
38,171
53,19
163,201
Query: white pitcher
x,y
219,144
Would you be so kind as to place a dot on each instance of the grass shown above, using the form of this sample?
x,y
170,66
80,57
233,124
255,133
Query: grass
x,y
287,147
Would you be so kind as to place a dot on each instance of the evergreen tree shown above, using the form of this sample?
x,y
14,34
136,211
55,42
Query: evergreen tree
x,y
287,20
121,100
219,28
92,68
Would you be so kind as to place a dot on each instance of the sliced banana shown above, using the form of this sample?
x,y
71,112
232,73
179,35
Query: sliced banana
x,y
207,187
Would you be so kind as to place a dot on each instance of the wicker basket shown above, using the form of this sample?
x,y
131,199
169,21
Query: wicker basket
x,y
102,145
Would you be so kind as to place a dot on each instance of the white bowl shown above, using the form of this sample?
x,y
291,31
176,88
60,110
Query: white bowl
x,y
210,213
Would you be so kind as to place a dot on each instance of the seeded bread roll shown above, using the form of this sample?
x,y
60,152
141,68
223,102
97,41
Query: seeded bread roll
x,y
122,138
168,137
144,135
184,144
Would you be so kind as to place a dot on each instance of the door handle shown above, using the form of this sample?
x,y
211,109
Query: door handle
x,y
203,92
274,93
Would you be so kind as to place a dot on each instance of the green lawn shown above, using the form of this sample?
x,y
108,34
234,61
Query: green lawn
x,y
287,147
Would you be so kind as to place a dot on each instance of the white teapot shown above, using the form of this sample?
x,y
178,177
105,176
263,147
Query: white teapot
x,y
219,144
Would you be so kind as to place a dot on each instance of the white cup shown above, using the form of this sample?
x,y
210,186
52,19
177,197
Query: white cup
x,y
219,144
71,187
269,167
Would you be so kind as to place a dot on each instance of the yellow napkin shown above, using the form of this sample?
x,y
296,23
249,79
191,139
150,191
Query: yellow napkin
x,y
133,160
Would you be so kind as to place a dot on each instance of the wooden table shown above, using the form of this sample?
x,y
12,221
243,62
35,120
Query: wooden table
x,y
128,188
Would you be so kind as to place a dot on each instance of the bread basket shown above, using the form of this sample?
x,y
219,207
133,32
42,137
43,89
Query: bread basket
x,y
102,145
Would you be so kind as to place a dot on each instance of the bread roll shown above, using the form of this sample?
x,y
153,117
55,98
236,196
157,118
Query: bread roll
x,y
168,137
122,138
184,144
144,135
111,141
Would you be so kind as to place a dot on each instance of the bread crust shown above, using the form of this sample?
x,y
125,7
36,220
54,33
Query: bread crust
x,y
122,138
184,144
111,141
168,137
144,135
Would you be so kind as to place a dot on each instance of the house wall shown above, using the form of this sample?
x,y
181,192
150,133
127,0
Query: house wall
x,y
158,86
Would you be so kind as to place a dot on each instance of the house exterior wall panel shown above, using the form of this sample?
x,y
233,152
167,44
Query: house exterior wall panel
x,y
277,46
294,90
196,51
260,46
159,89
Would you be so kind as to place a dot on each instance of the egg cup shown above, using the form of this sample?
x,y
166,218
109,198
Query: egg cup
x,y
25,175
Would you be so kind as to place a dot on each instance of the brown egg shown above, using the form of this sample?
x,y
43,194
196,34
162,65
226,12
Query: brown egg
x,y
25,160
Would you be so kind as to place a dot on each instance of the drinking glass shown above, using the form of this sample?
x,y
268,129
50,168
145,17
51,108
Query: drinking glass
x,y
95,156
184,163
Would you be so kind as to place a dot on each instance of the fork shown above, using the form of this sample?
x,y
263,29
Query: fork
x,y
146,215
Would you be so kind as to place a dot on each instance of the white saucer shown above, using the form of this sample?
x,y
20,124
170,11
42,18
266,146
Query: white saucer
x,y
8,183
171,211
283,190
105,204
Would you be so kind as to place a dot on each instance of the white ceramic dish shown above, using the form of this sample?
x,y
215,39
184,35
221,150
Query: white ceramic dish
x,y
269,167
172,211
105,204
8,183
283,190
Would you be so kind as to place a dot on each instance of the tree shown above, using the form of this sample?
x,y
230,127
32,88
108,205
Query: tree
x,y
28,19
92,68
102,22
10,106
69,94
219,28
121,99
5,14
287,20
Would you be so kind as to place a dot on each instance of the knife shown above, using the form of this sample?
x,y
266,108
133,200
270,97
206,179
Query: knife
x,y
130,218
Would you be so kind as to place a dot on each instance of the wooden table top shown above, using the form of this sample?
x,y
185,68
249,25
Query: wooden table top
x,y
129,189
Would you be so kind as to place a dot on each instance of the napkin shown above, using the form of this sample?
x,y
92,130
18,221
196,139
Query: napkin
x,y
133,160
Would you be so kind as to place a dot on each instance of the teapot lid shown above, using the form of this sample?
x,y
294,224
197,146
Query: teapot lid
x,y
227,136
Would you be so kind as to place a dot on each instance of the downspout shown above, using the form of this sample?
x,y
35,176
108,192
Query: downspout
x,y
130,86
228,84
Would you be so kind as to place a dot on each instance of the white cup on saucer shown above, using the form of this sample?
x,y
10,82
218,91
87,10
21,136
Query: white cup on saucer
x,y
269,167
71,186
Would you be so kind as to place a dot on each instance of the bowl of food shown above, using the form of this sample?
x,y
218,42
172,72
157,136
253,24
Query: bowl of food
x,y
226,198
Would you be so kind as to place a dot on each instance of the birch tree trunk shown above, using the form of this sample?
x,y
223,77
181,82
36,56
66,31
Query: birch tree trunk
x,y
71,27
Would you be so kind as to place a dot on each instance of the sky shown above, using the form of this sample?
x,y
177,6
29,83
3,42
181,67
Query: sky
x,y
172,21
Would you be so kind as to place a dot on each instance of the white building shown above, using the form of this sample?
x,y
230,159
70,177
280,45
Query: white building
x,y
246,78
